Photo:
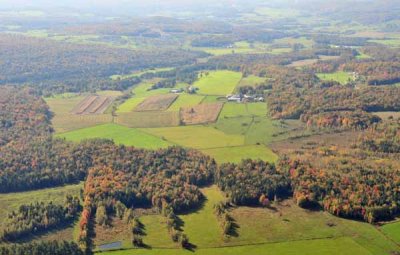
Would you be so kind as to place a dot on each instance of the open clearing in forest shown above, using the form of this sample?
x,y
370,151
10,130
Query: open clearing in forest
x,y
236,154
156,103
341,77
302,63
93,104
120,135
201,114
285,229
217,82
148,119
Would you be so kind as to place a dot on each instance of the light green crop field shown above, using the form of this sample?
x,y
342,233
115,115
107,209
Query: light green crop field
x,y
236,154
12,201
231,110
392,230
341,77
251,80
388,42
120,135
130,104
140,93
185,100
142,90
213,99
234,126
218,82
261,131
198,137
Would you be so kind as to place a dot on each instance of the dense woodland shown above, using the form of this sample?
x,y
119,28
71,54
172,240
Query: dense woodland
x,y
246,182
59,67
43,248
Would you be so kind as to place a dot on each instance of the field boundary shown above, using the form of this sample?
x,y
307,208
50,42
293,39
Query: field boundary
x,y
237,245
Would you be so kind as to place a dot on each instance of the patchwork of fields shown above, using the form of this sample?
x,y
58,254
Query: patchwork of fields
x,y
231,132
155,118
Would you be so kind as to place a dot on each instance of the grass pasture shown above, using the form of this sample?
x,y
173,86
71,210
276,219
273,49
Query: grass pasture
x,y
232,110
148,119
236,154
345,246
341,77
130,104
185,100
120,135
392,230
218,82
198,137
251,80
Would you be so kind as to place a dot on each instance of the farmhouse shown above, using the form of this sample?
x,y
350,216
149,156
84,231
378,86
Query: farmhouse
x,y
234,98
244,98
175,91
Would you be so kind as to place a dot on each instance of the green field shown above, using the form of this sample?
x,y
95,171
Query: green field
x,y
198,137
392,230
218,82
345,246
341,77
252,81
236,154
138,74
130,104
202,226
120,135
185,100
141,92
231,110
157,235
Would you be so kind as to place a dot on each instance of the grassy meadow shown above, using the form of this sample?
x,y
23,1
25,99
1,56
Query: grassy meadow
x,y
392,230
218,82
341,77
119,134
